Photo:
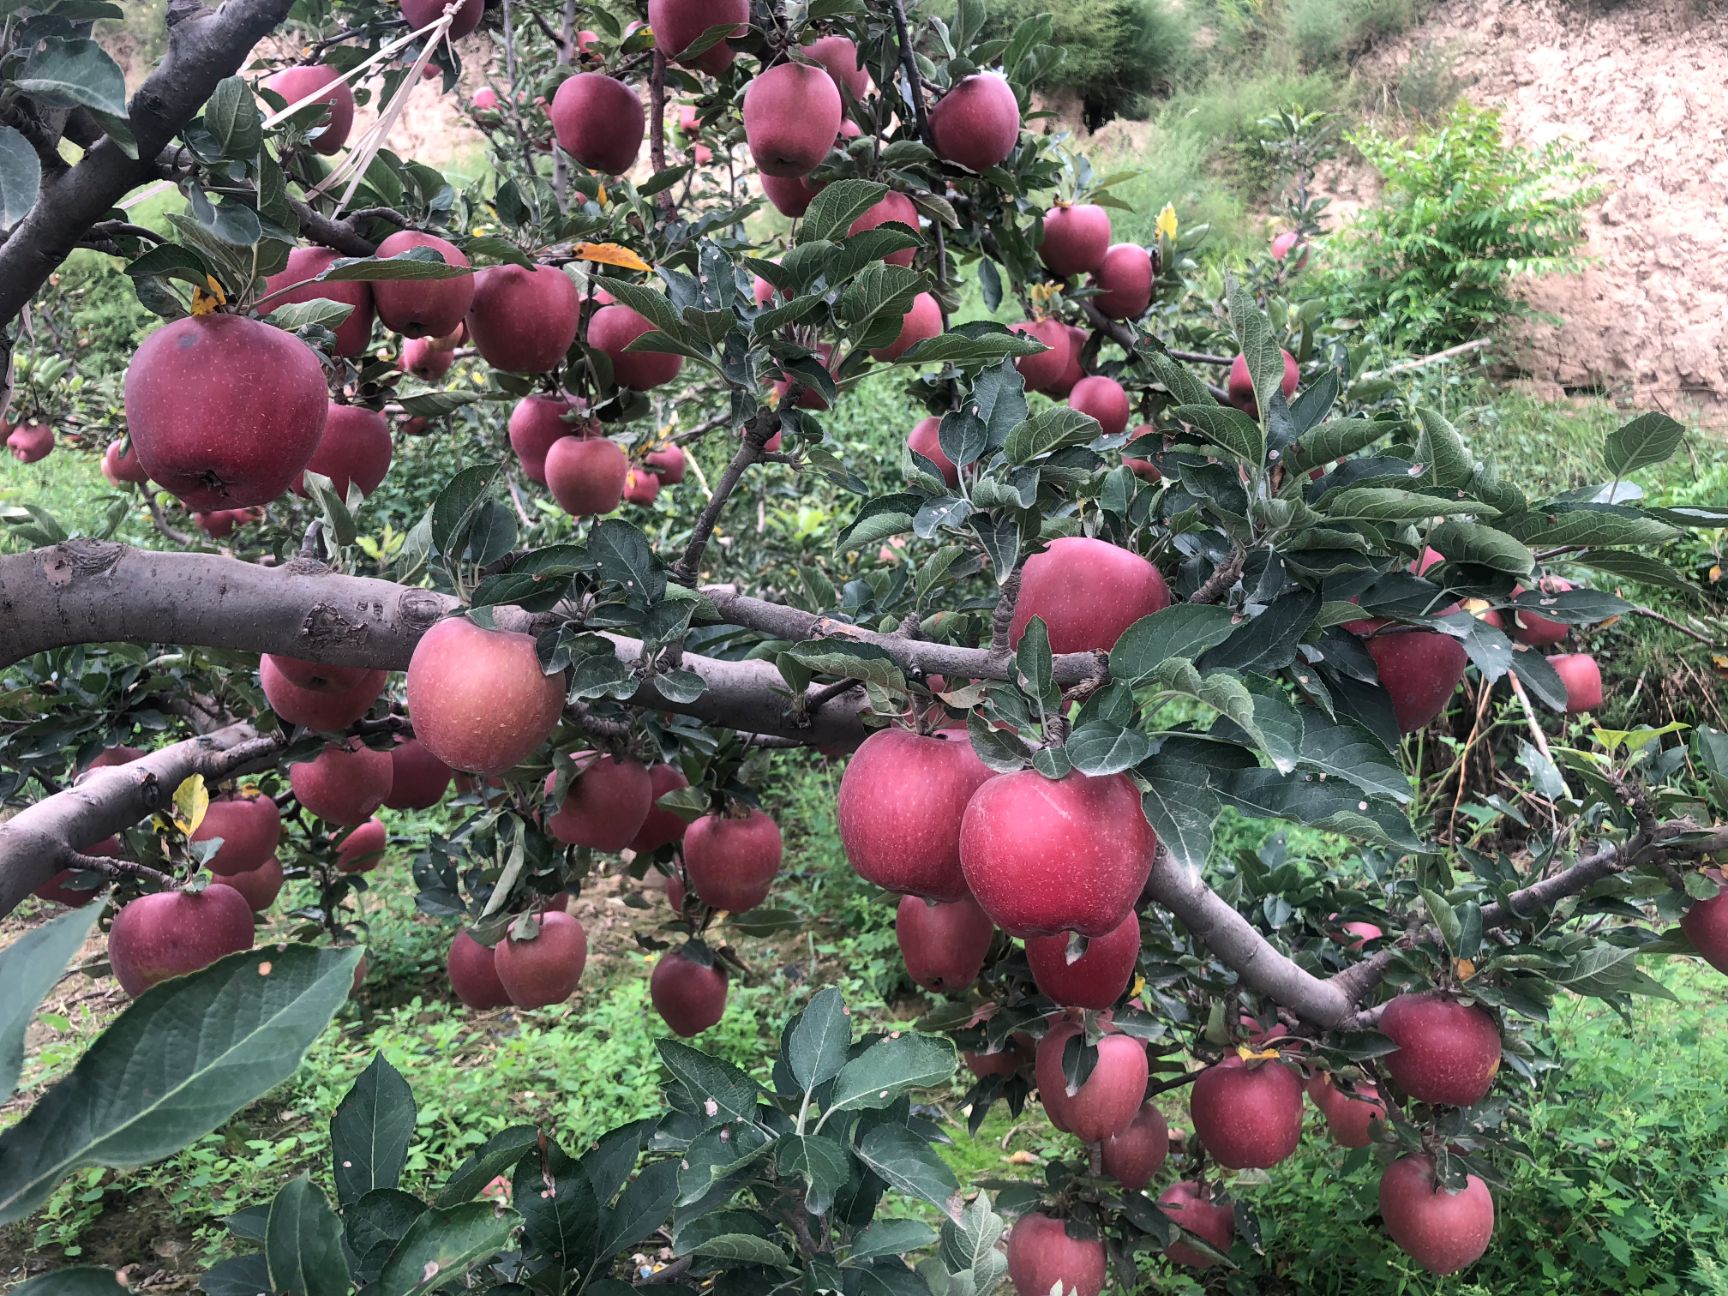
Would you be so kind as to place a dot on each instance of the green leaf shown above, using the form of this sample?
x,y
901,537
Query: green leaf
x,y
374,1226
457,505
1388,504
906,1163
1181,806
832,211
1443,916
412,265
1440,452
320,311
29,968
719,1089
1230,429
888,1068
371,1130
1341,438
1049,430
1482,546
864,662
874,304
958,349
560,1210
303,1243
1604,971
820,1162
503,1150
969,1244
74,73
817,1043
80,1280
1344,749
1034,665
1259,347
641,1209
1185,631
1587,524
185,1056
742,1249
442,1245
1646,441
627,559
1101,748
20,177
1638,567
891,1237
232,117
1182,385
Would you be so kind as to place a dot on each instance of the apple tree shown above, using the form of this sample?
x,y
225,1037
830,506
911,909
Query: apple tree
x,y
1154,556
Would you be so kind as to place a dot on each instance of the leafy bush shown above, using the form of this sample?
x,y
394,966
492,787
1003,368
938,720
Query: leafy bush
x,y
1462,214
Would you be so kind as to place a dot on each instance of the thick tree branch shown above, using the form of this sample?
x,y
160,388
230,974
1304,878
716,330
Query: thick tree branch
x,y
202,51
1218,584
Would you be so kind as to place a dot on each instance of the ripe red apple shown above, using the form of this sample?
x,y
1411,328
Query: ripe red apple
x,y
605,804
679,24
218,525
1240,384
343,784
1043,1258
354,334
641,487
1540,631
421,13
430,308
1077,338
1419,670
31,442
895,207
452,339
1133,1157
675,893
418,779
1582,678
587,476
1045,370
485,99
473,972
1098,977
791,195
731,861
1015,824
170,933
900,806
1103,399
689,995
1354,935
362,850
1286,243
296,83
1705,925
977,123
1248,1116
669,463
259,886
1005,1061
255,424
1088,592
536,424
478,698
612,330
1441,1231
1448,1052
599,121
321,677
1076,237
1124,282
1191,1208
925,439
839,56
661,827
120,464
523,321
250,828
354,450
543,971
327,710
109,757
943,943
1109,1100
1350,1117
922,321
792,113
1144,469
424,360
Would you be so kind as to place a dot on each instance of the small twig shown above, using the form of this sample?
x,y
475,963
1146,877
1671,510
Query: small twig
x,y
1218,584
1200,357
828,692
1672,624
914,84
310,544
756,436
119,869
1422,362
1002,619
161,521
657,129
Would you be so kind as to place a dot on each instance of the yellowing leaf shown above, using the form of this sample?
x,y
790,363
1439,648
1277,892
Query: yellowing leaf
x,y
191,801
611,254
207,303
1167,223
1464,968
1251,1055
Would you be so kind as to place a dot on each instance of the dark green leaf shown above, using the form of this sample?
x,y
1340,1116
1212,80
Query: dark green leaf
x,y
719,1089
1646,441
1183,631
888,1068
503,1150
29,968
560,1212
906,1163
20,177
820,1162
371,1130
819,1038
374,1226
80,1280
303,1243
442,1245
74,73
1230,429
832,211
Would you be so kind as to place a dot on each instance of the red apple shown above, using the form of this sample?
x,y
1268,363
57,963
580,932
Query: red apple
x,y
1088,592
612,330
473,971
109,757
1354,935
1419,670
1286,243
791,195
679,24
669,463
321,677
1240,384
1005,1061
1124,282
1248,1116
925,439
485,99
120,464
478,698
1448,1052
605,804
362,850
1103,399
641,487
1109,1100
545,970
1017,823
1705,925
354,334
587,476
1043,1258
354,450
943,943
418,308
675,893
1441,1231
1582,678
599,121
1077,339
899,209
1135,1156
1098,977
731,861
418,779
1350,1117
326,710
1045,370
31,442
255,424
422,13
1191,1208
900,806
523,321
1076,237
250,828
977,123
661,827
296,83
689,995
170,933
921,322
343,784
536,424
839,56
1540,631
425,361
259,886
1144,469
792,113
